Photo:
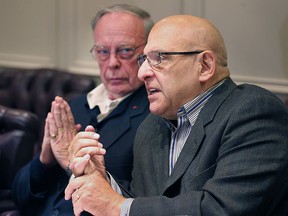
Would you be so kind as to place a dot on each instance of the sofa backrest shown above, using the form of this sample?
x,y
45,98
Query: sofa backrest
x,y
33,90
19,131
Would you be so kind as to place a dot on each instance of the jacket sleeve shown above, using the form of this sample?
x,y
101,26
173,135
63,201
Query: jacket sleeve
x,y
242,163
31,184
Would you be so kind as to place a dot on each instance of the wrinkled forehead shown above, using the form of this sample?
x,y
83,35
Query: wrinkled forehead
x,y
167,38
119,26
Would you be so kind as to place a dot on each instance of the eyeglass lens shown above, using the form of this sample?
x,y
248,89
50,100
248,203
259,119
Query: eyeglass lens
x,y
153,58
102,54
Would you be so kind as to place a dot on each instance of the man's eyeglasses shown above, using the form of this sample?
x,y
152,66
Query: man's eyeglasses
x,y
101,53
155,58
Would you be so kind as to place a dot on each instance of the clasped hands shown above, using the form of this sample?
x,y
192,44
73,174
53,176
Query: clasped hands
x,y
59,131
90,190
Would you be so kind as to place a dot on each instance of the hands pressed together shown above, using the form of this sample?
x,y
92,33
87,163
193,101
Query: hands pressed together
x,y
59,131
82,152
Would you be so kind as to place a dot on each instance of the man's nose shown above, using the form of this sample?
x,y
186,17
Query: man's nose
x,y
114,60
144,71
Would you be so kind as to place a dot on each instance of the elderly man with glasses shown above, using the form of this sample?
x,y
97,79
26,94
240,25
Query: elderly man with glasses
x,y
115,109
209,146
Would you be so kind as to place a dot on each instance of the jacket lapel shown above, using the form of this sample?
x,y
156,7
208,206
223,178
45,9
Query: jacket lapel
x,y
161,155
132,106
187,154
197,134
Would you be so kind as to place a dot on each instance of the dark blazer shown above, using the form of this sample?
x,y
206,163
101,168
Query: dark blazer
x,y
117,133
234,162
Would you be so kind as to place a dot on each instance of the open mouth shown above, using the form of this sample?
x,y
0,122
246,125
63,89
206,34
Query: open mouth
x,y
152,91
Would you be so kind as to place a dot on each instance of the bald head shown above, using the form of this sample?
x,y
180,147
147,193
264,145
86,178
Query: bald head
x,y
192,33
183,50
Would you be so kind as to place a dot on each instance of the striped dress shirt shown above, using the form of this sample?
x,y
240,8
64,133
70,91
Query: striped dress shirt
x,y
186,118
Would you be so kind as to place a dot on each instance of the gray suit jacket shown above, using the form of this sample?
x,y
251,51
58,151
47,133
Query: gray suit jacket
x,y
235,161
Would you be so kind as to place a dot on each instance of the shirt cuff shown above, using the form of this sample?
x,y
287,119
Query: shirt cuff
x,y
114,184
125,208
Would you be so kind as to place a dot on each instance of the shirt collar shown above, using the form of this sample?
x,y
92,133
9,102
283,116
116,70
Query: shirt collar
x,y
192,108
99,97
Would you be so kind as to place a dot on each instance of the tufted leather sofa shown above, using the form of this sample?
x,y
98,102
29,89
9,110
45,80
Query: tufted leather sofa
x,y
33,90
25,100
18,135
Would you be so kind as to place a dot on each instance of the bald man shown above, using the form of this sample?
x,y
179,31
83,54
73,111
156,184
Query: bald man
x,y
209,147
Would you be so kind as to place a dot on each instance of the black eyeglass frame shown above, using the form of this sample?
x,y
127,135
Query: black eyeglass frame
x,y
141,57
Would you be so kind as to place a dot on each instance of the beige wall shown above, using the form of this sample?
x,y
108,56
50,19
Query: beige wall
x,y
57,33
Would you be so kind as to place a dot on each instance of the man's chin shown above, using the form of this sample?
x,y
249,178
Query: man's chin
x,y
119,92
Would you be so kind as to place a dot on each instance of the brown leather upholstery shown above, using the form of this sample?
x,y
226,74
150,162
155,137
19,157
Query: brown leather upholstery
x,y
18,135
34,90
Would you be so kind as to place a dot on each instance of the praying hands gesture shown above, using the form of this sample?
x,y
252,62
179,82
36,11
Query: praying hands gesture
x,y
84,155
59,132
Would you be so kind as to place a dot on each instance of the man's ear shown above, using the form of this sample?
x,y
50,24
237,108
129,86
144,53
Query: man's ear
x,y
208,66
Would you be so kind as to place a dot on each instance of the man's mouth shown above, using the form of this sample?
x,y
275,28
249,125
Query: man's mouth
x,y
152,91
117,80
